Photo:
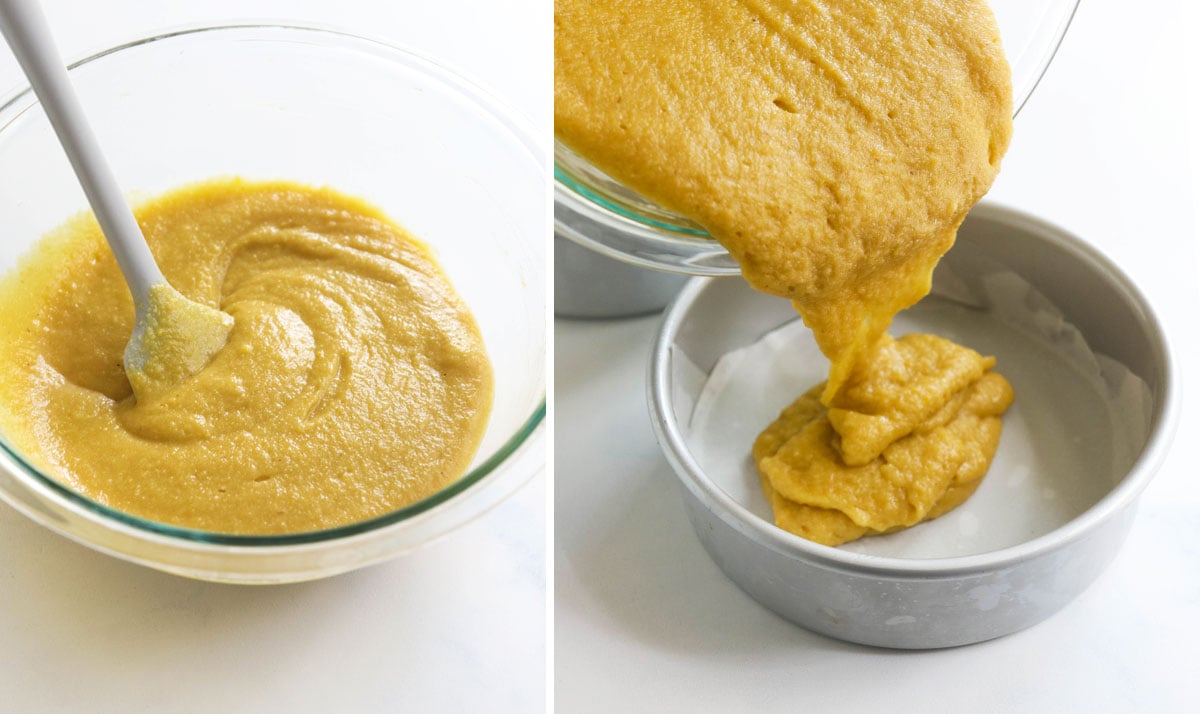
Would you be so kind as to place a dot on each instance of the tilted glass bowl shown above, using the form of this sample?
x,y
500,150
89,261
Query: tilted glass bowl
x,y
431,150
599,213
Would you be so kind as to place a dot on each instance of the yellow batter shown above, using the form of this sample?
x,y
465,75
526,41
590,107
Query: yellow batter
x,y
909,437
354,380
832,146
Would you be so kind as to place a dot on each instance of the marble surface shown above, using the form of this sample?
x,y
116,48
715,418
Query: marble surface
x,y
459,625
644,622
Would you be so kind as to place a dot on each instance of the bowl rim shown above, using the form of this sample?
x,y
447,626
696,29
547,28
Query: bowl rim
x,y
18,102
1164,420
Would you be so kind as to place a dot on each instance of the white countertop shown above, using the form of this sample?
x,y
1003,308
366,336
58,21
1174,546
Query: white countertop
x,y
458,626
646,623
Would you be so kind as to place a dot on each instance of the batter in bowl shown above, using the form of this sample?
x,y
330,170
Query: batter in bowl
x,y
354,381
833,147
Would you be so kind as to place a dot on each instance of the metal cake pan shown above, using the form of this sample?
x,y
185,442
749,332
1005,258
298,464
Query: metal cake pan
x,y
920,602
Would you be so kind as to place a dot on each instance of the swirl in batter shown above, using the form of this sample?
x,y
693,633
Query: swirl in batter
x,y
354,381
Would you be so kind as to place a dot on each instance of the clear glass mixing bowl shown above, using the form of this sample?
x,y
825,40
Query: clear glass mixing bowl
x,y
433,151
597,212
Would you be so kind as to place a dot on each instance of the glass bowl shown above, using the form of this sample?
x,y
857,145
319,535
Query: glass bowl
x,y
433,151
599,213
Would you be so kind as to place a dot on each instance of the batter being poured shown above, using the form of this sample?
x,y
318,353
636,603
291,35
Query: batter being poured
x,y
833,148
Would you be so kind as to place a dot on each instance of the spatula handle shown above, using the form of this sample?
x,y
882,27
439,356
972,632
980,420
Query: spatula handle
x,y
28,34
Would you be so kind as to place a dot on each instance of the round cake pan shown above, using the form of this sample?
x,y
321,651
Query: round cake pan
x,y
879,594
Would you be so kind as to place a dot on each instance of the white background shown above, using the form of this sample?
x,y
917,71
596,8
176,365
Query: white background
x,y
458,626
646,623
